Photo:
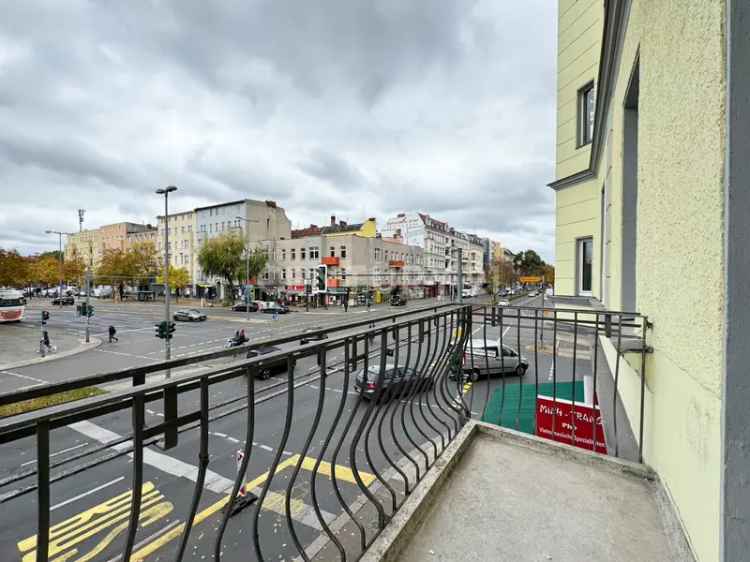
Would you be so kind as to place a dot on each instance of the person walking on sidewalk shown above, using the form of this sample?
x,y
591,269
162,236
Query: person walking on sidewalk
x,y
112,334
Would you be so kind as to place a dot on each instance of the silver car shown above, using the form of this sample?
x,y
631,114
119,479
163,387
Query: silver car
x,y
482,359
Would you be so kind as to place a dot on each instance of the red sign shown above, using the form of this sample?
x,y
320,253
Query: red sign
x,y
573,423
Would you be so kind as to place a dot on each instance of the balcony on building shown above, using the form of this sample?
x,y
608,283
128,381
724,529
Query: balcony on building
x,y
331,261
396,264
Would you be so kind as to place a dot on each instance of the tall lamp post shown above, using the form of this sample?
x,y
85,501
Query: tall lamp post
x,y
87,281
62,267
247,263
165,192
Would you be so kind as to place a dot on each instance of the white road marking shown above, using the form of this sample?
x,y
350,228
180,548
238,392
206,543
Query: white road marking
x,y
265,448
125,354
20,376
214,481
59,452
84,494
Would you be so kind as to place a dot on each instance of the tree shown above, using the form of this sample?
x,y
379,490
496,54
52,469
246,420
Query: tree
x,y
549,274
223,257
45,269
114,267
142,262
74,267
14,269
528,263
179,278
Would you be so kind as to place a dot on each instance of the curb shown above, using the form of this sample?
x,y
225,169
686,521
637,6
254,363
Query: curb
x,y
94,343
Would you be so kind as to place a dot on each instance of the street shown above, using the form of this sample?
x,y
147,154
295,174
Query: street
x,y
90,507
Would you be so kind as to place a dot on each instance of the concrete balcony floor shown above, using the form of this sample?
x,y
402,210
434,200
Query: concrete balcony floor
x,y
498,495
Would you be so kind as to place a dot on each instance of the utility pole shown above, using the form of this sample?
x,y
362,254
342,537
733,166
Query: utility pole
x,y
246,296
62,266
167,341
87,281
460,275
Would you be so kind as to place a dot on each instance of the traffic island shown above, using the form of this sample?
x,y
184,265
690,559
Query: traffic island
x,y
19,345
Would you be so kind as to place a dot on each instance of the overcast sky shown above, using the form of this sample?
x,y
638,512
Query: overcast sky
x,y
355,108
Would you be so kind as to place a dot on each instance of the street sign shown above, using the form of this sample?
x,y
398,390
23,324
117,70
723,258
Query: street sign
x,y
573,423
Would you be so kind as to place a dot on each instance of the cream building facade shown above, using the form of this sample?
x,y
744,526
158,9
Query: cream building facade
x,y
91,244
653,137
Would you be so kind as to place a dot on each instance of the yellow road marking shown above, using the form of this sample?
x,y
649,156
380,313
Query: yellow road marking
x,y
308,463
112,514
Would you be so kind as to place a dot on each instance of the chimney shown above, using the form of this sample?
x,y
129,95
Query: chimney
x,y
333,220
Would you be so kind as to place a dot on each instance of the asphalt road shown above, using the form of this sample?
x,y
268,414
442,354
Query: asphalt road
x,y
89,508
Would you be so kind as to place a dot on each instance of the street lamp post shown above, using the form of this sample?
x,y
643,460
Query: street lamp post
x,y
87,280
247,264
165,192
62,270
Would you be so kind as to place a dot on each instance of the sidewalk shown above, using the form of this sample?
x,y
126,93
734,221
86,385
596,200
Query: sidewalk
x,y
19,345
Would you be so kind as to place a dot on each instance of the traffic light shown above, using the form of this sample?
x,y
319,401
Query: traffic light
x,y
89,310
161,329
322,275
171,327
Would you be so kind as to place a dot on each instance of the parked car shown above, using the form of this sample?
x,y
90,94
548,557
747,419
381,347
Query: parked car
x,y
396,381
533,293
189,315
503,302
277,308
482,359
274,368
398,300
242,307
313,334
66,299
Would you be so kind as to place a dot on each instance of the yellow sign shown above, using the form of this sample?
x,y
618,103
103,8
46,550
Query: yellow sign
x,y
531,279
103,523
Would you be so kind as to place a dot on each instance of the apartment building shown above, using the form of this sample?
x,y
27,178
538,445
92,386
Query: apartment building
x,y
653,130
440,243
181,240
261,224
91,244
356,256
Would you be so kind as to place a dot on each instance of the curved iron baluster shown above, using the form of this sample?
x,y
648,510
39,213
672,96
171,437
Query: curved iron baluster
x,y
358,435
344,434
463,411
291,362
334,424
202,466
303,454
403,414
400,405
393,400
437,379
417,426
247,450
422,370
381,392
135,502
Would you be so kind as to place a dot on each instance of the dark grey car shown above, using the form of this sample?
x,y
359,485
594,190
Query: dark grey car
x,y
270,369
396,381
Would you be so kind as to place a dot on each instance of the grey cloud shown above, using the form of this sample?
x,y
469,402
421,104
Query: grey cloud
x,y
345,107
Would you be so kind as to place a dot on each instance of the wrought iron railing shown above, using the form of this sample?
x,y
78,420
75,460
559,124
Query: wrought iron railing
x,y
366,411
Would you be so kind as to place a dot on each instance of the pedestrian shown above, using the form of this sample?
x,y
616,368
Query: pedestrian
x,y
243,339
112,334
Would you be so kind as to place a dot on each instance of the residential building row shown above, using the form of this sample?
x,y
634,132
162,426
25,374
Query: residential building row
x,y
414,251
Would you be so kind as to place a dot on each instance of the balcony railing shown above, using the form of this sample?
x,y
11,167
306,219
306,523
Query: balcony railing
x,y
389,396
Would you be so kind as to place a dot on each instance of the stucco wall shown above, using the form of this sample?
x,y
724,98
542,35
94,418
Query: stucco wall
x,y
679,274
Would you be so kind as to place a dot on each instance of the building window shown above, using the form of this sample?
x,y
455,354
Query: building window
x,y
292,254
332,251
343,251
283,256
301,253
314,253
586,109
283,273
585,255
343,273
377,254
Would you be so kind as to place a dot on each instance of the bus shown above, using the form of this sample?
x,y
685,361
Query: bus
x,y
12,305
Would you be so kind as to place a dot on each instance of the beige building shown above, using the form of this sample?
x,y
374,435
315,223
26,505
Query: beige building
x,y
356,257
181,240
91,244
653,137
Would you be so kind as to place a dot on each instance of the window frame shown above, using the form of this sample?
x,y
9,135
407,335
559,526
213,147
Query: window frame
x,y
580,252
584,129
